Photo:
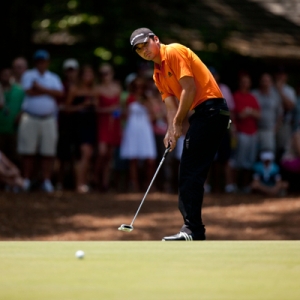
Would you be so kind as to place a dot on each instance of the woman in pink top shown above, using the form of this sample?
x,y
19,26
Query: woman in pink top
x,y
109,123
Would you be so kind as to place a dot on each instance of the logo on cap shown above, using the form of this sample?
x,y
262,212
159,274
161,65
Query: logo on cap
x,y
138,35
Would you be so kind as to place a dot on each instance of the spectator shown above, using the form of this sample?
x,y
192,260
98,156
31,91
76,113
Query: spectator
x,y
81,103
9,115
290,161
19,66
65,144
160,128
10,174
109,123
247,113
288,101
38,125
70,68
296,111
271,113
221,163
266,177
138,141
291,157
125,93
224,89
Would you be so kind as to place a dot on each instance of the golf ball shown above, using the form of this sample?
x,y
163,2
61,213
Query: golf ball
x,y
79,254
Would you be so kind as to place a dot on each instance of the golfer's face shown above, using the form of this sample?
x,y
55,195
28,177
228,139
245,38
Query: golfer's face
x,y
148,50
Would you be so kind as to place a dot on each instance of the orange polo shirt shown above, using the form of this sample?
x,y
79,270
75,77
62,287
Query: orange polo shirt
x,y
178,61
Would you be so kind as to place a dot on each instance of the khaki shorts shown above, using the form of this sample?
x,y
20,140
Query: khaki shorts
x,y
37,135
246,151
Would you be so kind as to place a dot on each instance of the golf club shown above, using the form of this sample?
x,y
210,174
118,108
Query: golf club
x,y
129,228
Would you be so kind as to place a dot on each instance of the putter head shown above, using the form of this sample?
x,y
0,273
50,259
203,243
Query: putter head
x,y
126,228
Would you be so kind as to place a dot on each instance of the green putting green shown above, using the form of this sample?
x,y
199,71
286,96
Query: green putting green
x,y
150,270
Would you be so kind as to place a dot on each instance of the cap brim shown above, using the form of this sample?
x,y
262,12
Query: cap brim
x,y
140,41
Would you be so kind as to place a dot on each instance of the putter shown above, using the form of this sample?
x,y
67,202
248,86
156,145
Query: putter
x,y
129,228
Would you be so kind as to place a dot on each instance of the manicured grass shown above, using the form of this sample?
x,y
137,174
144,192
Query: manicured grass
x,y
150,270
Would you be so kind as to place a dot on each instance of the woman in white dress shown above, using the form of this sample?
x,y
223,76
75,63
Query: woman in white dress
x,y
138,142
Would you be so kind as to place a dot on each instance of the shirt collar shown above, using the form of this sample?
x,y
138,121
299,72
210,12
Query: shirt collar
x,y
38,72
162,57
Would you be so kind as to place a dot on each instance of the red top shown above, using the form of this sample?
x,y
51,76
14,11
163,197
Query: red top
x,y
109,124
246,125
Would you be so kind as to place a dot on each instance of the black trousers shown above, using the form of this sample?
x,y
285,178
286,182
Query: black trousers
x,y
207,126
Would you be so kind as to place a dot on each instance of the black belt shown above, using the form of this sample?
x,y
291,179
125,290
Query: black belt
x,y
41,117
210,102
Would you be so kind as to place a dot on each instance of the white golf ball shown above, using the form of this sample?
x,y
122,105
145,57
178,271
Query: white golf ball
x,y
79,254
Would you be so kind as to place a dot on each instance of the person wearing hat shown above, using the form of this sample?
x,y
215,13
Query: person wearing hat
x,y
186,84
71,71
266,178
37,132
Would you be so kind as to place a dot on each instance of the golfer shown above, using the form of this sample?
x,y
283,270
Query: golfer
x,y
185,84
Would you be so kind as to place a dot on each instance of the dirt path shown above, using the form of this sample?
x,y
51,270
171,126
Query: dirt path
x,y
68,216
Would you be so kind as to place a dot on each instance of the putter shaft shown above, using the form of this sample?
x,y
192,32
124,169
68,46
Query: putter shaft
x,y
149,187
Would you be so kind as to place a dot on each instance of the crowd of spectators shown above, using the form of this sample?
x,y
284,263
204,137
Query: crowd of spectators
x,y
88,131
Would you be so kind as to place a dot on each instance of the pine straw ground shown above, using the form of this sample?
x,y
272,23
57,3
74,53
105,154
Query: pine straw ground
x,y
95,216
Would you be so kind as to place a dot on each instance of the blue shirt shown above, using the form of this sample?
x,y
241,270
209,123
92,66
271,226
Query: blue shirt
x,y
40,104
267,175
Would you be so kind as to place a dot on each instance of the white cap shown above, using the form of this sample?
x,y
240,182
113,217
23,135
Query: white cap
x,y
129,78
70,63
267,155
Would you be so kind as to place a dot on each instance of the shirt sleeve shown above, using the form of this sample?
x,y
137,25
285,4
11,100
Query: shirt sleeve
x,y
164,94
290,93
179,63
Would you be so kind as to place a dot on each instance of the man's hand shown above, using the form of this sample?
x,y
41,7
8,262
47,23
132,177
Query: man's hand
x,y
172,106
37,87
170,140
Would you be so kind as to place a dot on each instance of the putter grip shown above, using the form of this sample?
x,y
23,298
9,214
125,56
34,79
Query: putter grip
x,y
167,151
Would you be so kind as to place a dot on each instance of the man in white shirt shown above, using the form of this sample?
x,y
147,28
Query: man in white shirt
x,y
38,126
271,113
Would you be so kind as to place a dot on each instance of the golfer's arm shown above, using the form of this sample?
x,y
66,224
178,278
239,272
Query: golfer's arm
x,y
172,106
186,99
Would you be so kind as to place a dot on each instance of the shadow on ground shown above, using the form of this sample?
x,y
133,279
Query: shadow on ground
x,y
69,216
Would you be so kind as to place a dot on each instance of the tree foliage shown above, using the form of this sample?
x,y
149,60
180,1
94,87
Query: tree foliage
x,y
94,31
